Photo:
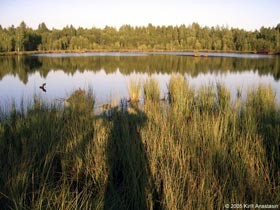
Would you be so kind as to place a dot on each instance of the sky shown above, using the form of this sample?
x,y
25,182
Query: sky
x,y
246,14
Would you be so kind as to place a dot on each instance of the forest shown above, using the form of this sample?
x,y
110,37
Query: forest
x,y
140,38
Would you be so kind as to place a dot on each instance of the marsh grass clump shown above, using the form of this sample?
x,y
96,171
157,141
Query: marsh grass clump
x,y
262,113
134,89
197,152
206,99
44,145
178,89
81,101
223,98
151,90
181,95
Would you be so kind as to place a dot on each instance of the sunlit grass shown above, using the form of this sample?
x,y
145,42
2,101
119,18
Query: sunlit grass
x,y
134,90
151,90
198,151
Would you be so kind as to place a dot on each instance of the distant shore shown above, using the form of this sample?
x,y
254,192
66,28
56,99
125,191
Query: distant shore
x,y
13,53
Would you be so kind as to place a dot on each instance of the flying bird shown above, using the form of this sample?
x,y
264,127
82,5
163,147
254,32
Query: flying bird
x,y
42,87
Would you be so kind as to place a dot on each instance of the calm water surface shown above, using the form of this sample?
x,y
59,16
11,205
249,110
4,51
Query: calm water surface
x,y
109,74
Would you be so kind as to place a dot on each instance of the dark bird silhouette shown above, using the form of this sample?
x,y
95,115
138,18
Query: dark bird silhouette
x,y
42,87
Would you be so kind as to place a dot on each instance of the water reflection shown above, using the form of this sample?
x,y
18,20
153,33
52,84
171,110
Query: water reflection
x,y
109,76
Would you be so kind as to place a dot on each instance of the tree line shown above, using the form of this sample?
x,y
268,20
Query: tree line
x,y
150,37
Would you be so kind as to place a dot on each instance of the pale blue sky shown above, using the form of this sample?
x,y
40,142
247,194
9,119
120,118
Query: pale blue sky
x,y
247,14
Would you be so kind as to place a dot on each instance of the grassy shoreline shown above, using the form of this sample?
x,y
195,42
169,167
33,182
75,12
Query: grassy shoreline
x,y
195,150
15,53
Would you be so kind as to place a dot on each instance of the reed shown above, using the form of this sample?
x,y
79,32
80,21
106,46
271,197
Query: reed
x,y
151,90
134,89
197,151
181,96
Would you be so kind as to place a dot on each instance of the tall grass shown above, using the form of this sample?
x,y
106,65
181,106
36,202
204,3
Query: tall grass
x,y
134,90
151,90
181,96
198,151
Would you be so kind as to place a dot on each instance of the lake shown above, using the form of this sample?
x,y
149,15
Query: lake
x,y
109,74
